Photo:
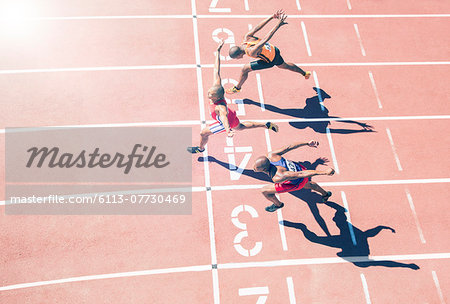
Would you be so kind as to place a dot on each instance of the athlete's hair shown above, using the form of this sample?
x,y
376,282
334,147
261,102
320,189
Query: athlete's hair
x,y
217,90
235,51
262,163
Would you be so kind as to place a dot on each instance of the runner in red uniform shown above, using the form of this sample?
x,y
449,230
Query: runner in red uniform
x,y
288,175
225,118
267,54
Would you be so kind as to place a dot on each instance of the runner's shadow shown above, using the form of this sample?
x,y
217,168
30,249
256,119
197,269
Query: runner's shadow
x,y
314,109
311,198
352,241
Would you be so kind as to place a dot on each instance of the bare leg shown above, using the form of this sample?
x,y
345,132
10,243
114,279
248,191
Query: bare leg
x,y
269,192
294,68
314,186
204,136
251,125
244,75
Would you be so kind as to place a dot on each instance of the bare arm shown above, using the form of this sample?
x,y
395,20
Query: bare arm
x,y
290,175
223,114
262,24
217,80
285,149
256,49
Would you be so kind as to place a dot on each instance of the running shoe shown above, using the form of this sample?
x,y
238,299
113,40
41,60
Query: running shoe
x,y
271,126
194,150
274,207
233,90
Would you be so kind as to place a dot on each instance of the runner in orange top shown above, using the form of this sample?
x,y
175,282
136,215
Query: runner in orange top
x,y
225,118
268,55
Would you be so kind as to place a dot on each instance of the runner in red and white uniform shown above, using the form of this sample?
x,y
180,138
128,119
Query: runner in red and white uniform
x,y
225,118
288,175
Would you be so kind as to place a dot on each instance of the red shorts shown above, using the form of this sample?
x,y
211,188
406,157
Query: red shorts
x,y
217,127
289,187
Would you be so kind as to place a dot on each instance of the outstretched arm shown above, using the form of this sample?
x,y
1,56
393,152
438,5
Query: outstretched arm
x,y
217,80
291,175
374,231
262,24
223,114
256,49
285,149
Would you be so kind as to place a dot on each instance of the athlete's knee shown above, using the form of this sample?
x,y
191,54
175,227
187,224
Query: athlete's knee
x,y
205,132
283,65
246,69
312,184
268,190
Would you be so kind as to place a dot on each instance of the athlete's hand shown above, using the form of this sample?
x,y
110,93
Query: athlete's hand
x,y
222,41
282,19
329,171
278,13
230,133
313,144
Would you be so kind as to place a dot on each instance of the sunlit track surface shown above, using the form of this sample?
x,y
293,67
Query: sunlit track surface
x,y
384,66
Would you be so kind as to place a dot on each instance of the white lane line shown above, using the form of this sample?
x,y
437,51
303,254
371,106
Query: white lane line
x,y
219,10
109,276
247,8
330,139
260,92
366,289
349,5
305,36
349,221
337,16
282,229
196,122
333,154
372,81
394,150
438,286
416,219
279,212
359,39
100,68
228,65
349,183
69,18
251,291
291,290
274,263
209,202
334,260
227,10
298,5
269,145
319,94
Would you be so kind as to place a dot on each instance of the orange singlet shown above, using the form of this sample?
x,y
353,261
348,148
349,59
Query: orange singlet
x,y
267,52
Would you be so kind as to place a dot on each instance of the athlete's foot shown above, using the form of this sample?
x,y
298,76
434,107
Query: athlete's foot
x,y
307,74
274,207
326,196
271,126
194,150
233,90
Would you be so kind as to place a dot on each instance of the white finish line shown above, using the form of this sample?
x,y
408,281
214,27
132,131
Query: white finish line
x,y
274,263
